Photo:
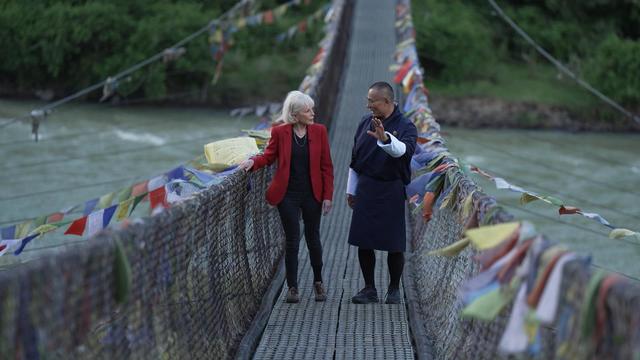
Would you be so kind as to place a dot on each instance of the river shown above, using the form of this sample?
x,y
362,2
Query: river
x,y
86,151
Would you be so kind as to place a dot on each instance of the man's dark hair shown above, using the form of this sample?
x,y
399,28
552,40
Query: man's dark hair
x,y
383,87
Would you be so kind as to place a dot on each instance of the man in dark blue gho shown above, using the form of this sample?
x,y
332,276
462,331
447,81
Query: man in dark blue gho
x,y
379,170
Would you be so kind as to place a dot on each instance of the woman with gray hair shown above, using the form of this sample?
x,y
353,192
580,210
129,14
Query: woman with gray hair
x,y
303,183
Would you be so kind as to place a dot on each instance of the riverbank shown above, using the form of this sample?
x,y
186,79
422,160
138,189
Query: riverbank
x,y
488,112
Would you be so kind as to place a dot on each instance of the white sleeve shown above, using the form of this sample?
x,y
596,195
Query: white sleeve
x,y
395,148
352,182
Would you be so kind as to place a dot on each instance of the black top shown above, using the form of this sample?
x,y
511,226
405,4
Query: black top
x,y
369,159
299,178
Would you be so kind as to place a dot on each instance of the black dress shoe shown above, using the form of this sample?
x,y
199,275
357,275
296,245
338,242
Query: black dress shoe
x,y
393,296
368,295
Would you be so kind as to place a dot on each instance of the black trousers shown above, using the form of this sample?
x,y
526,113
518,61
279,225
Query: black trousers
x,y
289,209
395,261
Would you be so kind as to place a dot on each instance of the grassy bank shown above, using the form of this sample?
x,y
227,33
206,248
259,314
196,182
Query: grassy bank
x,y
537,83
468,51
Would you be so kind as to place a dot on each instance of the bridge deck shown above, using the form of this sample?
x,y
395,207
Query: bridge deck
x,y
336,328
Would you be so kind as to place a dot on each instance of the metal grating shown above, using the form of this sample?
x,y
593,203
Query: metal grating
x,y
336,328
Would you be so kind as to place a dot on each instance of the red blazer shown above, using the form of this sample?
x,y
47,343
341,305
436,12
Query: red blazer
x,y
320,165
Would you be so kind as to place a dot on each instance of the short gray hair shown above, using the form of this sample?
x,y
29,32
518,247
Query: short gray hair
x,y
295,102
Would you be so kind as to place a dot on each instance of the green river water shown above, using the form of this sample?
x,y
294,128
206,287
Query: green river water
x,y
89,150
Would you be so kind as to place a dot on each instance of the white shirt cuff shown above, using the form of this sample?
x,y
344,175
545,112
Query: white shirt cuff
x,y
395,148
352,182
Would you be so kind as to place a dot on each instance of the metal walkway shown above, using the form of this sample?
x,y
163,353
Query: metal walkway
x,y
336,328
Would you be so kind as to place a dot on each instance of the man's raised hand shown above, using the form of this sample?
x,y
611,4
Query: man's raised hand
x,y
379,133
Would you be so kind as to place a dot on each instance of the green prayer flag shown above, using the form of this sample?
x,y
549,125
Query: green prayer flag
x,y
136,201
40,221
121,274
453,249
488,306
588,310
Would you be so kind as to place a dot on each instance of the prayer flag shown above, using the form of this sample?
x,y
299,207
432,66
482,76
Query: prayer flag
x,y
7,245
123,209
139,188
156,182
177,173
137,200
158,198
77,227
24,242
9,232
105,200
489,236
94,223
22,229
89,206
55,217
267,17
402,72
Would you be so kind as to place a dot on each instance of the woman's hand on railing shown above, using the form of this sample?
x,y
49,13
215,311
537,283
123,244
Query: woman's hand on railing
x,y
246,165
326,207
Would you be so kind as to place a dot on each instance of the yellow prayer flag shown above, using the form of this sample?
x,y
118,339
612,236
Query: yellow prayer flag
x,y
123,209
526,198
42,229
22,229
486,237
241,23
105,201
621,232
230,152
280,10
467,204
258,134
217,36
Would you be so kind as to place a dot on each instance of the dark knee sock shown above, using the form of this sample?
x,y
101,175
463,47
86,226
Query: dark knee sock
x,y
367,260
395,260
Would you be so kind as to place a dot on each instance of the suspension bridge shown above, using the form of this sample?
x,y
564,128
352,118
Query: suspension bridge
x,y
204,278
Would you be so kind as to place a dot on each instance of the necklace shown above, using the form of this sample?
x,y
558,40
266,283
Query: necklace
x,y
303,139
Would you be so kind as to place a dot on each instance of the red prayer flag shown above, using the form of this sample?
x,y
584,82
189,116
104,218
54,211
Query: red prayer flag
x,y
318,56
568,210
55,217
77,227
158,197
402,72
139,188
267,17
302,26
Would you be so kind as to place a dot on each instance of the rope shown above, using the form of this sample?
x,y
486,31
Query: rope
x,y
566,223
43,192
102,155
563,68
537,186
501,152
